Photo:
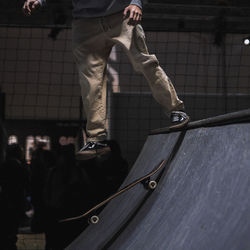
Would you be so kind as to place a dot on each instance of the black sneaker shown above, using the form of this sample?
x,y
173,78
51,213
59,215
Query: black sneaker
x,y
179,119
92,150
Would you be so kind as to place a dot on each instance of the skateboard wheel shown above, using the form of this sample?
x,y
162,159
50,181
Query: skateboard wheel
x,y
94,219
152,185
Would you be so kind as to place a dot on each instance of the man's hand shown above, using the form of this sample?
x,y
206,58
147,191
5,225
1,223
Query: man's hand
x,y
29,6
135,14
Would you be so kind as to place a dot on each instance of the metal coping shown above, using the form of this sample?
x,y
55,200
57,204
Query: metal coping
x,y
230,118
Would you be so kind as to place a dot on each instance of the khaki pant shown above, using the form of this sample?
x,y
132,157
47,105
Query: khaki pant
x,y
93,39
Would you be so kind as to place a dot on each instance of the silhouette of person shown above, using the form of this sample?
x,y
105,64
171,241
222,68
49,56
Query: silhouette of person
x,y
13,181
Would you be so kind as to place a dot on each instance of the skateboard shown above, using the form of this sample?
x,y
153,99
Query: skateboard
x,y
145,180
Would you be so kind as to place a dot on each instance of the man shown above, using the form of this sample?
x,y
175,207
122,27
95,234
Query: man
x,y
97,26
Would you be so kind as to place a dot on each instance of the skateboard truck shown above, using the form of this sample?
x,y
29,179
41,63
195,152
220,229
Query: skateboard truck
x,y
93,219
152,185
148,184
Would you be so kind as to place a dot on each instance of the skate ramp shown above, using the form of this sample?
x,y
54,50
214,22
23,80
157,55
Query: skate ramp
x,y
203,196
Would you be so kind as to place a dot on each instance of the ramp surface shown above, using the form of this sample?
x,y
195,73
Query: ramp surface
x,y
202,200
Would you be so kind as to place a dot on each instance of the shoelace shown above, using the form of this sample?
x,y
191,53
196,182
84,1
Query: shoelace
x,y
91,145
177,117
88,145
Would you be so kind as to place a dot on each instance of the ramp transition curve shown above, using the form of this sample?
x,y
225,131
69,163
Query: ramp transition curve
x,y
202,200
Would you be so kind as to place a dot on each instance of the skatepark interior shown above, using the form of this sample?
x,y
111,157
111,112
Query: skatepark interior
x,y
201,200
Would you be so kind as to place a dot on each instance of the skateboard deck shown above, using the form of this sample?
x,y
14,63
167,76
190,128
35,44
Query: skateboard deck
x,y
144,180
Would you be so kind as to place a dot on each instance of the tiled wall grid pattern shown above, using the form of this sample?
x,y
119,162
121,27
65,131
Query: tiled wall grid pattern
x,y
40,79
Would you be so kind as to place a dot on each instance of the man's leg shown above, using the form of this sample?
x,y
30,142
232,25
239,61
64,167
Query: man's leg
x,y
91,52
92,78
132,39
